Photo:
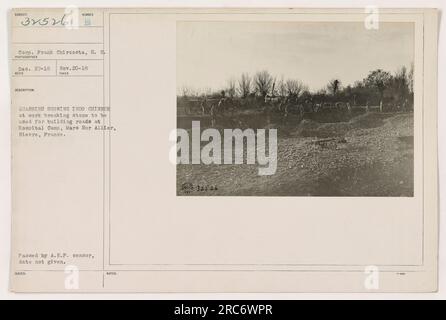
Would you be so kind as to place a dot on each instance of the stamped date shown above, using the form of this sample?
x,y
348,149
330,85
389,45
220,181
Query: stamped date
x,y
188,188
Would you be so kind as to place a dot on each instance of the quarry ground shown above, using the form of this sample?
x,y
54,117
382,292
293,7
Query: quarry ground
x,y
370,154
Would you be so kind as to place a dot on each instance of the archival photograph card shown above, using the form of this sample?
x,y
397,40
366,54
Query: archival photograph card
x,y
224,150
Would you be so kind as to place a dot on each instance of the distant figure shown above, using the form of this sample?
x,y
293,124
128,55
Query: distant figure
x,y
349,108
213,115
308,105
301,111
405,104
222,102
285,113
367,109
381,106
203,106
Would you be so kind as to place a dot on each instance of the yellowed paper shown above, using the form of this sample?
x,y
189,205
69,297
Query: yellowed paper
x,y
224,150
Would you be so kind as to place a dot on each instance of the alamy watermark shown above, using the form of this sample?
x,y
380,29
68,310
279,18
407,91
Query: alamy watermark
x,y
371,21
237,146
371,281
71,277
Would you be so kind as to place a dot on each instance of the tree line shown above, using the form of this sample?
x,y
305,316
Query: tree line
x,y
378,86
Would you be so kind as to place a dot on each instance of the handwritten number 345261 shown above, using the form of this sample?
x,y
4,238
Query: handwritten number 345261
x,y
47,21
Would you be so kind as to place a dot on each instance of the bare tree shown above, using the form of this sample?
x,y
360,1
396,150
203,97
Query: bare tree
x,y
205,92
282,87
263,82
334,86
379,80
410,78
401,81
294,87
231,87
185,91
244,85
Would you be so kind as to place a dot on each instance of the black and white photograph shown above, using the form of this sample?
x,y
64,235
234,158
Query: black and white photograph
x,y
295,109
229,152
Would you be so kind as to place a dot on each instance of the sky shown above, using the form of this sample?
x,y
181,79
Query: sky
x,y
209,53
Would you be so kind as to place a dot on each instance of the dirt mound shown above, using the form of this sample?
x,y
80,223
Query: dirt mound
x,y
369,120
309,128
